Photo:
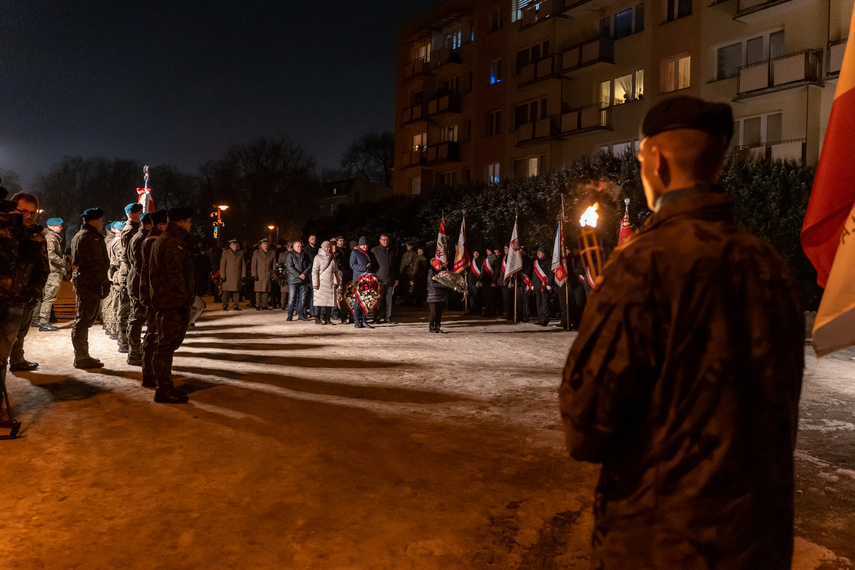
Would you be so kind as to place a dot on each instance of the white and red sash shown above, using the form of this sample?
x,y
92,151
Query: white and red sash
x,y
487,267
475,270
540,273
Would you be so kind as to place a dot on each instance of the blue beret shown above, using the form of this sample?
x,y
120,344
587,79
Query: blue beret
x,y
54,222
93,214
118,225
133,208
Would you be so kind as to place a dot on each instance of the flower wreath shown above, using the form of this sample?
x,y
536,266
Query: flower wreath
x,y
280,274
367,291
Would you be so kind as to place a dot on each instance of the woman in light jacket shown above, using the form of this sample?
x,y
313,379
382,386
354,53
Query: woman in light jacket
x,y
325,277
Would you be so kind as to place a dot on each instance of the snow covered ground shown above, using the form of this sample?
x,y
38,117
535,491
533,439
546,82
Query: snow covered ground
x,y
309,446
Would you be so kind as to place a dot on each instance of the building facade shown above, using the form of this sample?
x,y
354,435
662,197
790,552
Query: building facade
x,y
495,89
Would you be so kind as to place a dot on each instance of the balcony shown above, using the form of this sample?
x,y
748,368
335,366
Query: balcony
x,y
835,57
412,114
599,50
443,56
793,149
574,8
585,119
443,152
444,104
416,68
533,132
538,71
749,11
414,157
540,12
781,73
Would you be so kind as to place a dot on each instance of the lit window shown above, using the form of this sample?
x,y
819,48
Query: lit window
x,y
419,142
416,186
449,134
517,8
495,71
677,73
620,90
627,22
493,173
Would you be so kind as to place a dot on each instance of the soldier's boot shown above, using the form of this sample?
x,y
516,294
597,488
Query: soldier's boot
x,y
87,362
170,396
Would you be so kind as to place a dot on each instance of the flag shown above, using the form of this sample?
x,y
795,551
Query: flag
x,y
442,243
514,258
828,232
559,268
625,228
144,198
461,252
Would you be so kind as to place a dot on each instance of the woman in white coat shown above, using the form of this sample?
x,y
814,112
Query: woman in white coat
x,y
325,277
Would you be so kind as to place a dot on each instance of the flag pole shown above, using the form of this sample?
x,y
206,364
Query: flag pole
x,y
515,298
567,279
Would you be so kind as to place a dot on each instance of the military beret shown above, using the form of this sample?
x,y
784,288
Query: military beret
x,y
93,214
54,221
159,217
118,225
363,240
146,218
689,113
133,208
178,214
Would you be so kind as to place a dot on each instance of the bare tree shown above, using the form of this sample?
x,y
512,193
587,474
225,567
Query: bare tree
x,y
371,157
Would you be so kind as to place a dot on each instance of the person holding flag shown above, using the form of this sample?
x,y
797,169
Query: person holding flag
x,y
487,278
543,282
473,281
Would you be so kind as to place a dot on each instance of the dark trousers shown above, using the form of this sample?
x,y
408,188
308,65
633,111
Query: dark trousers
x,y
149,344
435,315
135,324
86,305
475,300
227,297
17,356
508,301
359,317
522,304
296,300
322,314
383,310
10,321
489,301
171,328
543,306
123,314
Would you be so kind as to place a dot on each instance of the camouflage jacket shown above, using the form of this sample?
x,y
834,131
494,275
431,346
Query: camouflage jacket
x,y
145,265
134,255
89,257
124,254
684,383
54,251
172,280
114,252
24,266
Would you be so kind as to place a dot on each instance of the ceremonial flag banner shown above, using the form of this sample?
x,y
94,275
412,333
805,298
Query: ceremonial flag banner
x,y
514,259
442,243
559,268
461,252
144,198
625,228
828,233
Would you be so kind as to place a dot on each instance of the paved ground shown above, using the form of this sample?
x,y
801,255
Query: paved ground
x,y
329,447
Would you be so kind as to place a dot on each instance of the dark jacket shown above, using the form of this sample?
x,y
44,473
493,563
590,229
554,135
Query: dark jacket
x,y
383,263
145,264
89,257
684,383
471,279
360,263
488,279
436,292
545,265
342,260
299,264
134,255
171,276
24,266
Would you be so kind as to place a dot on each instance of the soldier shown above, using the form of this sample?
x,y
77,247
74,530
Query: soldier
x,y
232,273
120,278
149,343
114,231
173,290
91,284
28,206
408,271
57,270
262,272
133,252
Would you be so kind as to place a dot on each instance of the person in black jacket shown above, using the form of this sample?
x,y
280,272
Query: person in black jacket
x,y
91,284
386,268
299,272
437,296
172,282
542,281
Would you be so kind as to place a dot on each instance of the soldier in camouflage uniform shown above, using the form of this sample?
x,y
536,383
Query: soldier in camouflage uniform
x,y
123,301
91,284
57,270
108,305
684,379
114,252
28,205
173,289
149,343
137,317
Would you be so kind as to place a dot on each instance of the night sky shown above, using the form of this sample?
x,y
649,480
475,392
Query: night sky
x,y
178,81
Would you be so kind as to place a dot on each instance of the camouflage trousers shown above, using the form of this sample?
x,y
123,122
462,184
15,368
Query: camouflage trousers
x,y
54,282
17,355
171,327
135,324
149,345
122,308
86,307
108,313
10,320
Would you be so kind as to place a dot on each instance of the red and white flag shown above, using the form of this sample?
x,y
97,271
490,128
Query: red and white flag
x,y
442,243
514,258
625,228
461,252
828,232
144,198
559,268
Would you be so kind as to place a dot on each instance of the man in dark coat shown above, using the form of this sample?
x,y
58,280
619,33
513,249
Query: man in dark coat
x,y
386,268
172,284
138,311
542,280
91,284
488,281
473,283
360,264
299,272
149,342
684,379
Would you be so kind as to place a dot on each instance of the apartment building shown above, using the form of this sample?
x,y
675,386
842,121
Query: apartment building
x,y
494,89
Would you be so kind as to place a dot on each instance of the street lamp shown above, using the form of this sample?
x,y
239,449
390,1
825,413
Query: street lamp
x,y
218,223
271,228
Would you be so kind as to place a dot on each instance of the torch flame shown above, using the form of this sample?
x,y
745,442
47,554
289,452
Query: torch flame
x,y
589,218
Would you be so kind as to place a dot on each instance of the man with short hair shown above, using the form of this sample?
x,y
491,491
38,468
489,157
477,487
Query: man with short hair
x,y
542,280
299,271
57,270
684,379
172,282
386,270
473,283
91,284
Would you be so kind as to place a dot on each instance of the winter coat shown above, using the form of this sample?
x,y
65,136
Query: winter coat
x,y
360,263
342,260
684,383
471,279
408,263
324,279
436,291
24,266
262,268
89,257
232,270
145,265
545,265
489,279
134,252
298,264
129,231
54,251
172,279
383,262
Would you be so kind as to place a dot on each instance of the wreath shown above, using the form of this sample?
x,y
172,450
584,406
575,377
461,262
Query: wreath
x,y
367,291
280,274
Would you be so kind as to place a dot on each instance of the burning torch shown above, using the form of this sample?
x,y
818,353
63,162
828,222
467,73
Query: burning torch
x,y
590,244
